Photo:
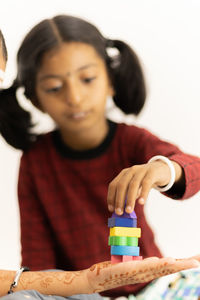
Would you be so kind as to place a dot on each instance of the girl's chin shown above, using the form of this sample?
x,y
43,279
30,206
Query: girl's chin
x,y
77,126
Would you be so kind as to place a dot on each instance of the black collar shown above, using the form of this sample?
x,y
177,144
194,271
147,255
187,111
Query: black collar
x,y
66,151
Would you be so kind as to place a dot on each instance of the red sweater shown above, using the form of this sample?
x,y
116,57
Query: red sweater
x,y
62,197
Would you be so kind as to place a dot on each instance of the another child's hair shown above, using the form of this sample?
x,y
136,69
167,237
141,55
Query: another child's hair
x,y
124,70
3,46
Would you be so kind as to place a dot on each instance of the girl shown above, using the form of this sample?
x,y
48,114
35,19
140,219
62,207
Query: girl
x,y
66,71
87,281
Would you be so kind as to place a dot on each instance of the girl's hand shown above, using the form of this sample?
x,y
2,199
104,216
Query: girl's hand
x,y
104,276
136,182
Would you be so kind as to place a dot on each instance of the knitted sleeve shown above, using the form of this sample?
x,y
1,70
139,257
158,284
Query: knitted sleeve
x,y
143,145
36,241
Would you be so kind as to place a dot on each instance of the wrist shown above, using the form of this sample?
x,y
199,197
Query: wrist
x,y
86,287
172,170
90,280
18,274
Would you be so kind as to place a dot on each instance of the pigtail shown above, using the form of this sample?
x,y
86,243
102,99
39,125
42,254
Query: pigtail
x,y
127,78
15,122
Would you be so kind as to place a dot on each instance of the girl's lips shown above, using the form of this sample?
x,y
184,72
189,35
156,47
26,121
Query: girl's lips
x,y
79,115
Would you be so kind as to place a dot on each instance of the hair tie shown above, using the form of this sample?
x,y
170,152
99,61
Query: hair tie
x,y
109,43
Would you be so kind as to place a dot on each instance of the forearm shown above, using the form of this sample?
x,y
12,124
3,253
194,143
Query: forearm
x,y
54,283
191,173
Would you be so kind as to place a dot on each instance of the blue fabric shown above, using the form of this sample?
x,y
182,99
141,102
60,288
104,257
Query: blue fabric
x,y
34,295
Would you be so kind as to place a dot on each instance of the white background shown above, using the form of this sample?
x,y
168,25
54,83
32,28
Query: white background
x,y
166,36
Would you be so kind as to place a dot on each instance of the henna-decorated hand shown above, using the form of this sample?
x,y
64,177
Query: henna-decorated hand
x,y
104,276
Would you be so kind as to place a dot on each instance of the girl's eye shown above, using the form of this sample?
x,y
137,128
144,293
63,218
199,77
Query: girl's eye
x,y
53,89
88,79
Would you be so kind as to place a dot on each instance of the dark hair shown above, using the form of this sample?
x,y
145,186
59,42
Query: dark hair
x,y
3,46
124,69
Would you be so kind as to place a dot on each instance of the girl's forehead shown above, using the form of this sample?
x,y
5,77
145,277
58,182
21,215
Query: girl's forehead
x,y
70,51
69,57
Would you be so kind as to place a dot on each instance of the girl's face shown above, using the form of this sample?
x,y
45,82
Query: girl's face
x,y
72,86
2,67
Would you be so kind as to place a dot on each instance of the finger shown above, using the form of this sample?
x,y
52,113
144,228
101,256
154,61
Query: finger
x,y
177,266
111,195
146,186
153,269
164,267
139,198
133,190
122,190
196,257
139,192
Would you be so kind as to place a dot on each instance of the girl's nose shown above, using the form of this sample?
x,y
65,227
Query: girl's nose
x,y
73,96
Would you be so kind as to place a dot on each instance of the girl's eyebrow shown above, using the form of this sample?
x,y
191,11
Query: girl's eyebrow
x,y
44,77
85,67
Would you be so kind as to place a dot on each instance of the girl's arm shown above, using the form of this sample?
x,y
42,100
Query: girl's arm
x,y
36,236
97,278
139,146
46,282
